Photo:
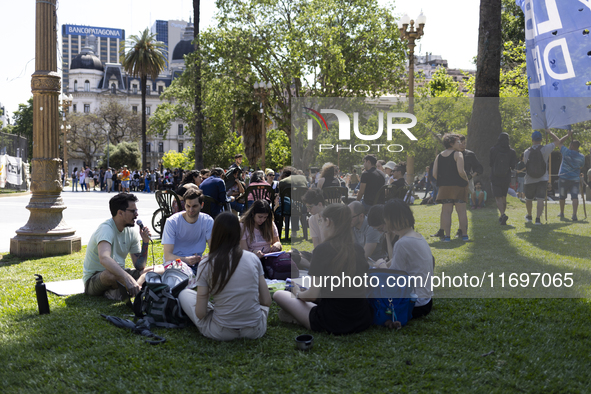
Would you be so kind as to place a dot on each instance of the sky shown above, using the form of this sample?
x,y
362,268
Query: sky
x,y
451,31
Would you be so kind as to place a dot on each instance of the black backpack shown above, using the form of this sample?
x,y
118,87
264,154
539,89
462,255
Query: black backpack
x,y
158,302
90,174
502,164
536,165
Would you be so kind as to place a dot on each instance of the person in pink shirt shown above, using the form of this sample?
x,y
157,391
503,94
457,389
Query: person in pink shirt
x,y
259,233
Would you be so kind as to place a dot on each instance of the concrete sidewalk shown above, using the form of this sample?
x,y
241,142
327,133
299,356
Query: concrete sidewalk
x,y
86,210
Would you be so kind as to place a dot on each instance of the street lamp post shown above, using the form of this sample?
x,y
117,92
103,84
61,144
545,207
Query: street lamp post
x,y
46,233
261,90
411,34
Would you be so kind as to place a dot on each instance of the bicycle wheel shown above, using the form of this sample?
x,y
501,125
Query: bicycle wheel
x,y
158,220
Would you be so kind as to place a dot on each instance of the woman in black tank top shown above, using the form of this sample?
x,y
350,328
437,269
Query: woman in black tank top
x,y
452,181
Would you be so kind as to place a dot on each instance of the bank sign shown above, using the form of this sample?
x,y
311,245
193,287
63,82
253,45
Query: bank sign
x,y
97,31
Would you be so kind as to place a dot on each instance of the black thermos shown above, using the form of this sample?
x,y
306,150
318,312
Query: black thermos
x,y
41,291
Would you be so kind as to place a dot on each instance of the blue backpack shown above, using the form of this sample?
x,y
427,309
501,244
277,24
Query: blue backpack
x,y
391,303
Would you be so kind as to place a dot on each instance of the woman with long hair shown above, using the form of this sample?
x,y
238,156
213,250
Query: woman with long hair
x,y
452,184
342,309
75,178
411,252
259,233
234,278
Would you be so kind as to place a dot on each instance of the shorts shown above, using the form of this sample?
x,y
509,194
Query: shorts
x,y
500,185
520,184
535,190
452,194
125,184
566,186
95,287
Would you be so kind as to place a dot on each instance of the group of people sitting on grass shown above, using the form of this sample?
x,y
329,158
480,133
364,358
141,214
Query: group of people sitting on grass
x,y
232,277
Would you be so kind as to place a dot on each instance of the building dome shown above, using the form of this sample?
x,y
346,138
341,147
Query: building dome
x,y
181,49
185,46
86,59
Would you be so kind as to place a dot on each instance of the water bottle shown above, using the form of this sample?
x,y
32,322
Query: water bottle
x,y
41,291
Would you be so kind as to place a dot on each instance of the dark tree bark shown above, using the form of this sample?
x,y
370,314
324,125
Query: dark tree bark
x,y
485,123
198,104
143,81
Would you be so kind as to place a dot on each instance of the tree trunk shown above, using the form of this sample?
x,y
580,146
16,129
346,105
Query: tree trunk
x,y
143,80
198,113
485,123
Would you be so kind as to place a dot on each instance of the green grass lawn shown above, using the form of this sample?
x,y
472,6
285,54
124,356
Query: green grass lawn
x,y
464,345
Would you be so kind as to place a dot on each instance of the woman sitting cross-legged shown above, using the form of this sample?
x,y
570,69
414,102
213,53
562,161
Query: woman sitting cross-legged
x,y
411,253
343,309
234,278
259,233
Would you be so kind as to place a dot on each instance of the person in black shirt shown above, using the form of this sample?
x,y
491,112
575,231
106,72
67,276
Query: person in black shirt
x,y
371,181
339,309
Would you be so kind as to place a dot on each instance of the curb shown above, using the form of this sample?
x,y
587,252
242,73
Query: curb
x,y
15,194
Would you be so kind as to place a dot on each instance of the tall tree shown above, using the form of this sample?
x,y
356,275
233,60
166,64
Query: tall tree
x,y
23,123
118,122
485,123
198,109
86,140
145,57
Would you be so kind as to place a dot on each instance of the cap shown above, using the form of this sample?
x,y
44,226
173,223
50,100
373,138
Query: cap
x,y
536,136
125,166
391,165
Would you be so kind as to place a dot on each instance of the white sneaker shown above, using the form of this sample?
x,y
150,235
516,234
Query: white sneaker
x,y
528,218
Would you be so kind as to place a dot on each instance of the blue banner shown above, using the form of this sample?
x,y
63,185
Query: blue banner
x,y
558,47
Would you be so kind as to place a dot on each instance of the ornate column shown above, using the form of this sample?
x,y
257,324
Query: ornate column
x,y
46,233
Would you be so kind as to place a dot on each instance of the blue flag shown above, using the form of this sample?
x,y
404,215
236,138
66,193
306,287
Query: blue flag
x,y
558,47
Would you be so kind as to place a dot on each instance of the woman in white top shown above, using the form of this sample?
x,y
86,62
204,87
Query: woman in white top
x,y
235,280
411,253
82,177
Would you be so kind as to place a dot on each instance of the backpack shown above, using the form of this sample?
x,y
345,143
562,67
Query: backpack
x,y
90,174
536,165
388,302
279,266
502,164
158,302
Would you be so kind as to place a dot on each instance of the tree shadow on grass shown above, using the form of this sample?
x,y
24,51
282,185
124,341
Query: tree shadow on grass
x,y
549,238
7,260
514,267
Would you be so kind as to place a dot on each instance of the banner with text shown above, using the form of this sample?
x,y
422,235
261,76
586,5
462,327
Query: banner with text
x,y
558,61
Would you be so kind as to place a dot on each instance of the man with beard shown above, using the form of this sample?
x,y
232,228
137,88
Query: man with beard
x,y
186,233
104,265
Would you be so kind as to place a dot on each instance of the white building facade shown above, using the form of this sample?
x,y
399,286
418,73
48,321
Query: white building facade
x,y
91,82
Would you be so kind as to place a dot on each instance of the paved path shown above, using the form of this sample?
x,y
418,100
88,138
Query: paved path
x,y
86,210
